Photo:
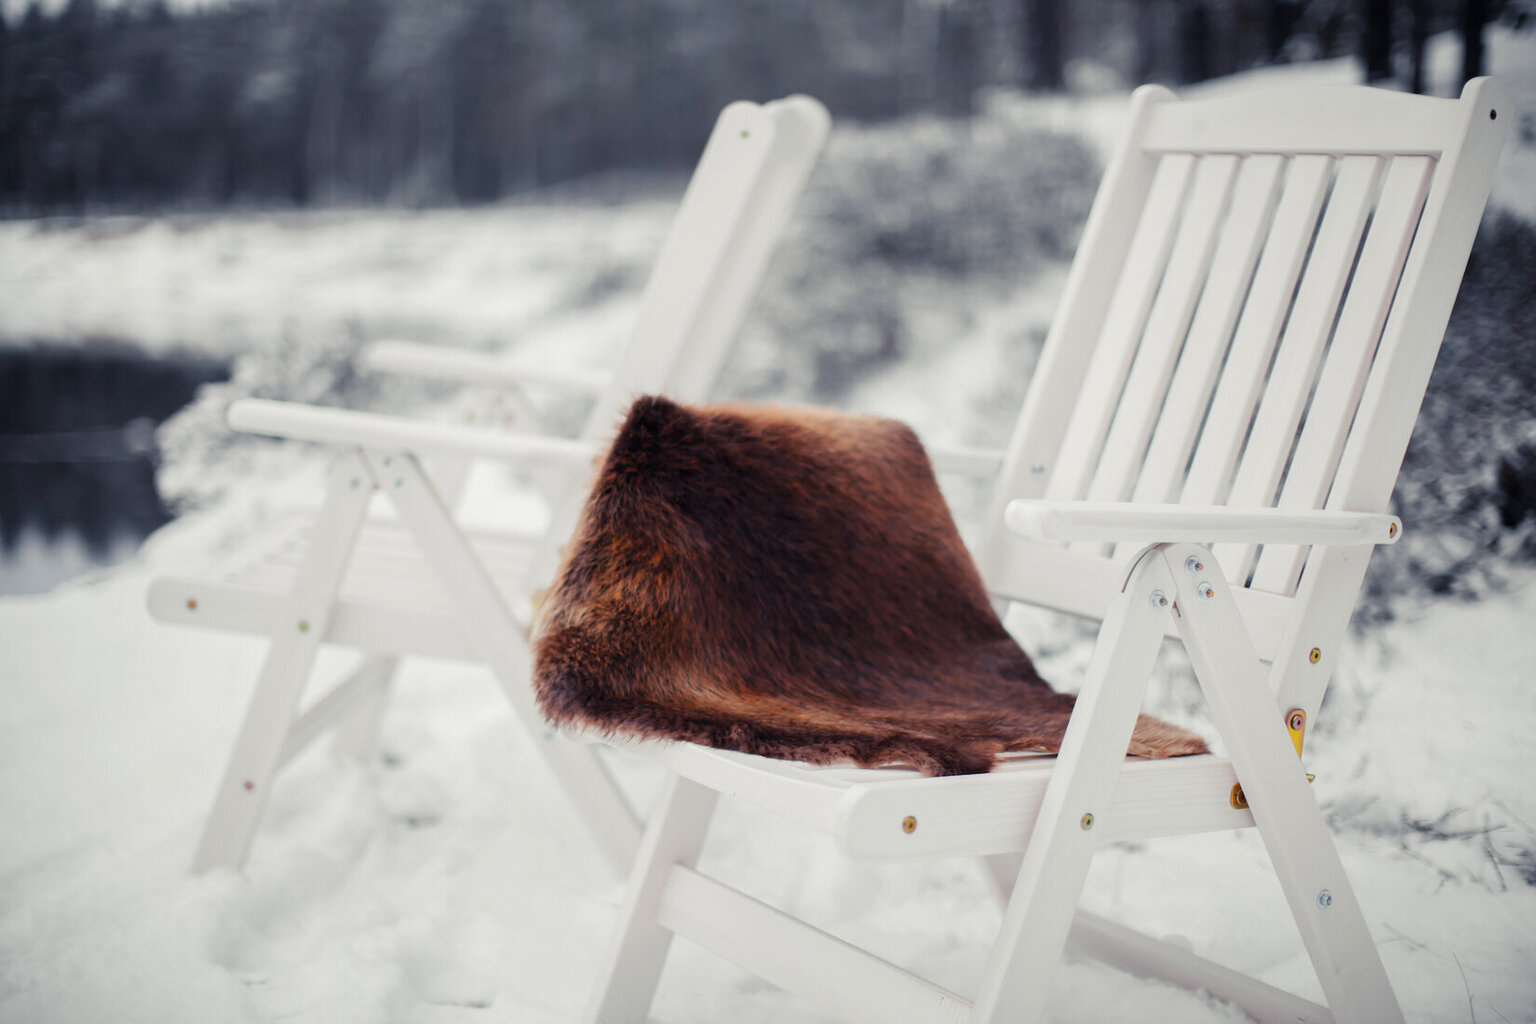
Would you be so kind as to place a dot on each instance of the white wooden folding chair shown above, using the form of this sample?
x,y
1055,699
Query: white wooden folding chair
x,y
420,585
1278,268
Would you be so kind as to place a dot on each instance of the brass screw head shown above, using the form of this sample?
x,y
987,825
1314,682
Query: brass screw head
x,y
1316,655
1087,821
191,604
1391,530
303,625
909,824
1298,719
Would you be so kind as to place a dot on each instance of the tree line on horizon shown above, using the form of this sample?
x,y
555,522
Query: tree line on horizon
x,y
427,102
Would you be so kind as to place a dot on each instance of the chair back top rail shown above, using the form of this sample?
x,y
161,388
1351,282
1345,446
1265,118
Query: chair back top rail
x,y
1257,302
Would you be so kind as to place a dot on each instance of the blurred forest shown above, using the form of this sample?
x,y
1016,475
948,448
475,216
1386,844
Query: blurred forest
x,y
131,105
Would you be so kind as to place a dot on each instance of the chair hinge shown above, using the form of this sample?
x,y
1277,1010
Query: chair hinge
x,y
1296,725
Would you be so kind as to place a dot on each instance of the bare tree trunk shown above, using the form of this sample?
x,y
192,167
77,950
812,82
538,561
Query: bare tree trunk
x,y
1474,14
1044,57
1376,43
1418,37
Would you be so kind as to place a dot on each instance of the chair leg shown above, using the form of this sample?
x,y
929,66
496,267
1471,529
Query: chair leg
x,y
1055,865
627,982
357,736
242,794
591,790
1300,847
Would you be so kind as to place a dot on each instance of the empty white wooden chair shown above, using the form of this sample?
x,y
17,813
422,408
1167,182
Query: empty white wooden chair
x,y
417,584
1232,378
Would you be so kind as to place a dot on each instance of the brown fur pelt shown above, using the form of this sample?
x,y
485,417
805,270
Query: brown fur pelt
x,y
788,583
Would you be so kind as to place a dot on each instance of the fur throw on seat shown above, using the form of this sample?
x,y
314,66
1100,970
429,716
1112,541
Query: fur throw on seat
x,y
788,583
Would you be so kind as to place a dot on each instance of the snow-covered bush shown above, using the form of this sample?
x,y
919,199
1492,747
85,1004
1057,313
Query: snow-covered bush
x,y
903,227
1467,493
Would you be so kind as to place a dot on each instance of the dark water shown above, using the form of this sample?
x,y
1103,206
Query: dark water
x,y
77,454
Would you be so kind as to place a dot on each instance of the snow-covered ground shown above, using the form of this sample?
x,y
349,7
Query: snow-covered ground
x,y
448,882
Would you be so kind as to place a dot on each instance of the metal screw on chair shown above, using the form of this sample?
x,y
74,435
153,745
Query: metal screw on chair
x,y
1193,565
1298,719
1038,467
1206,591
303,625
249,785
191,604
1086,821
1316,655
909,824
355,482
1325,899
1159,599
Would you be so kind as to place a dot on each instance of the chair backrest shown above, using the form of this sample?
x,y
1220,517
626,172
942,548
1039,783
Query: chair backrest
x,y
714,256
1251,320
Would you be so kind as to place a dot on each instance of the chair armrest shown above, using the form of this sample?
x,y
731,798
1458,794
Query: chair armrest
x,y
965,461
392,433
481,368
1128,522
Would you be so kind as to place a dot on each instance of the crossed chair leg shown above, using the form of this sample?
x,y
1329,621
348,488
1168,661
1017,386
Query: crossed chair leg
x,y
666,896
274,731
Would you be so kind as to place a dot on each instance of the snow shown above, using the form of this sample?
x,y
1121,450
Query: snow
x,y
446,881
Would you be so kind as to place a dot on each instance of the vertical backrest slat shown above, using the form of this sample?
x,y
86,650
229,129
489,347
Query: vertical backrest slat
x,y
1269,299
1301,348
1248,222
1349,358
1167,325
1123,324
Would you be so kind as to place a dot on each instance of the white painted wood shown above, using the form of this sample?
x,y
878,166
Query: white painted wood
x,y
981,815
792,955
1167,325
1129,522
359,690
357,734
1336,120
1301,347
800,125
301,422
626,981
1135,953
965,460
1269,299
482,369
1126,319
1048,577
1040,911
1300,848
592,792
301,621
1342,379
1232,266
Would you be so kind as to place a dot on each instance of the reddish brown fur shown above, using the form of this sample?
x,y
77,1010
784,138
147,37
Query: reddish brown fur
x,y
789,583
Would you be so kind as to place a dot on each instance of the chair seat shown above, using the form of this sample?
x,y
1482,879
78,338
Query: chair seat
x,y
892,814
390,601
